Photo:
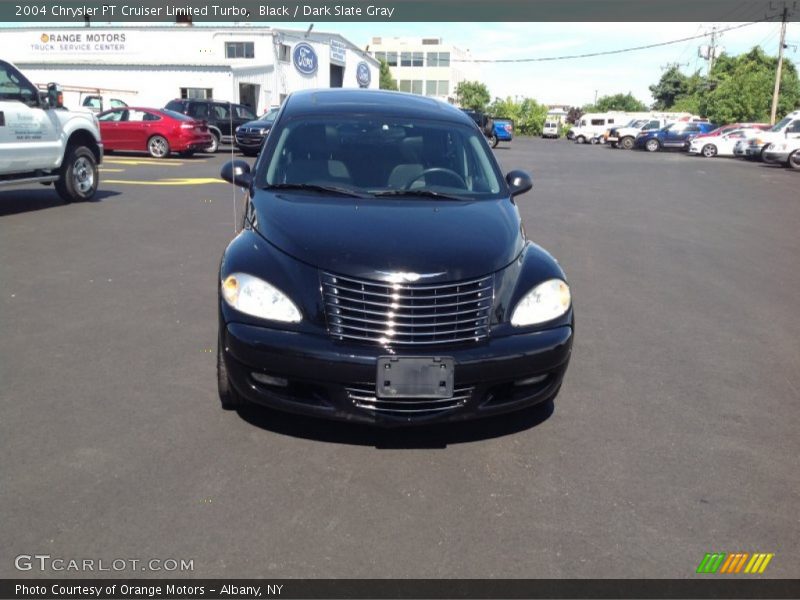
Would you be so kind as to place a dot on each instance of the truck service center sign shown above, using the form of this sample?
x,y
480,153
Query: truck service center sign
x,y
88,42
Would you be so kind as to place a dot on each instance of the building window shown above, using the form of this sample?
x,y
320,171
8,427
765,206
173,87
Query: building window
x,y
196,93
438,59
284,53
437,88
405,59
416,59
239,50
404,85
416,86
391,59
380,56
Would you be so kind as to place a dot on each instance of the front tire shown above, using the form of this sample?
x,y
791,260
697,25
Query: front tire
x,y
794,160
493,140
709,151
78,176
229,398
626,143
580,139
158,146
652,146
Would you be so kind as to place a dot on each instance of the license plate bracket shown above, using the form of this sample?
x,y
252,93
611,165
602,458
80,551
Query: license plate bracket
x,y
414,377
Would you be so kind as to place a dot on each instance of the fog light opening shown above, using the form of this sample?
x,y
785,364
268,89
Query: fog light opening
x,y
269,379
530,380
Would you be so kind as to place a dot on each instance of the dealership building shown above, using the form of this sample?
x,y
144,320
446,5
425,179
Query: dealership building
x,y
151,65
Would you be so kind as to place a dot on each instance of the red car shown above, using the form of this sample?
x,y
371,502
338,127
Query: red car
x,y
732,127
154,130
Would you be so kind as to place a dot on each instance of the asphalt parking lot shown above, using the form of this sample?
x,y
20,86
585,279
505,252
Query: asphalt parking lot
x,y
675,433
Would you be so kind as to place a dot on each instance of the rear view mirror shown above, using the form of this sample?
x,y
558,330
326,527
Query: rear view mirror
x,y
518,182
55,97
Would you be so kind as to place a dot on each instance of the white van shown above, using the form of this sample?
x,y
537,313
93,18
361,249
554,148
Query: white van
x,y
551,129
595,124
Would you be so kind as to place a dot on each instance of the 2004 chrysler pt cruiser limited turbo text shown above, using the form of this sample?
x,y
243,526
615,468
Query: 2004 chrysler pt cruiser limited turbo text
x,y
382,274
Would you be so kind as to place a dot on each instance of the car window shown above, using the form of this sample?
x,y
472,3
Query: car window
x,y
376,154
175,105
177,115
151,117
115,103
136,115
781,124
14,87
111,116
794,127
242,112
198,111
221,111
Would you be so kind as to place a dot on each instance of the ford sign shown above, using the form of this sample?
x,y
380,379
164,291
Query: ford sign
x,y
363,74
305,59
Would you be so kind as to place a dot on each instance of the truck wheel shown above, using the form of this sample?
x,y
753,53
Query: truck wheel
x,y
493,140
652,145
158,146
626,143
228,396
580,139
794,160
214,145
78,176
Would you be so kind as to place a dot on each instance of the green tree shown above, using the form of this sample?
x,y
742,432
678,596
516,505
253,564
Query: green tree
x,y
623,102
672,85
473,95
528,115
385,80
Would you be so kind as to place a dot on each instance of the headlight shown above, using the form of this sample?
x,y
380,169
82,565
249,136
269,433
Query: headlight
x,y
258,298
545,302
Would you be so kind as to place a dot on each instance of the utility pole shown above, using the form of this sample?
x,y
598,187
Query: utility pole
x,y
777,89
712,50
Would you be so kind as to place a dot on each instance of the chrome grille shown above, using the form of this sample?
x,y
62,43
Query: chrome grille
x,y
363,396
407,314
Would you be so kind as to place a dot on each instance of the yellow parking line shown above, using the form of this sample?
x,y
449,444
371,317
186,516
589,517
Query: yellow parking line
x,y
142,161
180,181
105,170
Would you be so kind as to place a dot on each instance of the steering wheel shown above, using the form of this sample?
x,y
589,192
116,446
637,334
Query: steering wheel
x,y
448,172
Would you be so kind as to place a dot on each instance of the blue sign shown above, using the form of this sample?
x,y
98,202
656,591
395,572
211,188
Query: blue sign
x,y
305,59
363,74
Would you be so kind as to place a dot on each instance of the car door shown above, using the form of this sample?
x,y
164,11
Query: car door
x,y
134,130
109,128
221,116
792,131
30,134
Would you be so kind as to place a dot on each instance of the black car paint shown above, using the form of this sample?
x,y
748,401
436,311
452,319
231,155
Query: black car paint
x,y
288,238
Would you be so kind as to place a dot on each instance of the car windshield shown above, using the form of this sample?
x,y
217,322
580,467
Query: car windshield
x,y
375,155
269,115
176,115
781,124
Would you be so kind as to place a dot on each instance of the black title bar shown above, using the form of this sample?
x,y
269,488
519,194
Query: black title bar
x,y
467,589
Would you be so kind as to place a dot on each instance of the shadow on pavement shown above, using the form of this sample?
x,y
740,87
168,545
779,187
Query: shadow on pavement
x,y
13,202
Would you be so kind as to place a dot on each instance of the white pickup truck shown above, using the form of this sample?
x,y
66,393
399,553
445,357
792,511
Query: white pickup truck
x,y
41,142
624,137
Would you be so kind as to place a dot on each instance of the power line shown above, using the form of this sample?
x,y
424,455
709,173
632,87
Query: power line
x,y
606,52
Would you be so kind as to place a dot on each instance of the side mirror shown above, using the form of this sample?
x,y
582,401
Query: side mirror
x,y
55,97
237,172
518,182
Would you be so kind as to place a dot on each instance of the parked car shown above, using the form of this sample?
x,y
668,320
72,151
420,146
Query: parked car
x,y
786,153
495,129
594,124
786,128
382,274
250,136
551,129
625,136
156,131
222,117
719,145
725,129
675,135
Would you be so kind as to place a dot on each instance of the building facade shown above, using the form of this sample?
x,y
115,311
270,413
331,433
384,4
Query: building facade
x,y
425,66
148,66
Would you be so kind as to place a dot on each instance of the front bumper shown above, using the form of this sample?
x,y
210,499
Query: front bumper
x,y
331,379
777,156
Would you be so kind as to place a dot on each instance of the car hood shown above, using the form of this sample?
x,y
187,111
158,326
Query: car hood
x,y
260,124
446,240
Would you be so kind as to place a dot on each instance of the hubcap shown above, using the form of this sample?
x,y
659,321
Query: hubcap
x,y
83,175
158,147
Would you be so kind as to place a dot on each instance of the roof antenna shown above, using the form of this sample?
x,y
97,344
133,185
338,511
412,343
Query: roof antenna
x,y
310,27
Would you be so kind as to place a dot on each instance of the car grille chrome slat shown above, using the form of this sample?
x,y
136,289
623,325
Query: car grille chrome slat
x,y
363,396
407,314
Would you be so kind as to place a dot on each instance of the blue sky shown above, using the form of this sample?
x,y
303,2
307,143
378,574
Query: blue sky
x,y
575,81
572,82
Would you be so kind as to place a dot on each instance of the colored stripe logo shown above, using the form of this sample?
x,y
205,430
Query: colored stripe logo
x,y
733,563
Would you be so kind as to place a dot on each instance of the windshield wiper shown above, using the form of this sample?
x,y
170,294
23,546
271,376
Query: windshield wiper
x,y
423,193
318,188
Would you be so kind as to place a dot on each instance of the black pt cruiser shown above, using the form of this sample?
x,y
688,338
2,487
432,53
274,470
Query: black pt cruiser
x,y
382,274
